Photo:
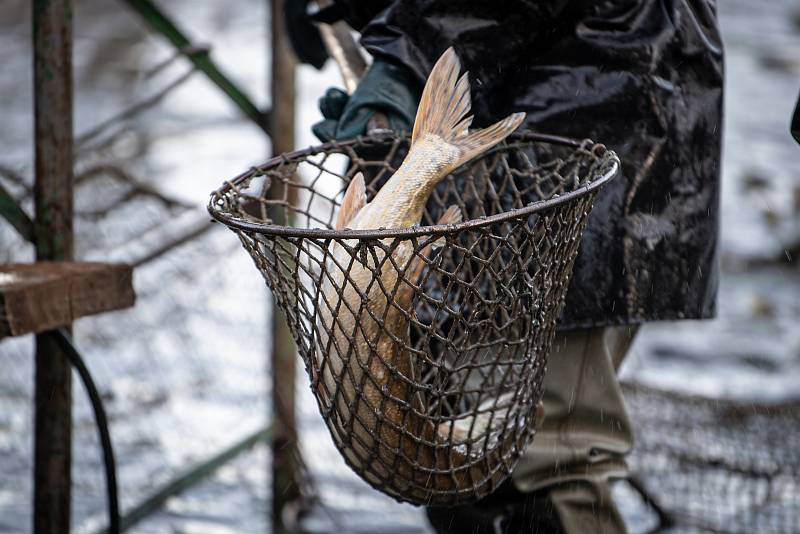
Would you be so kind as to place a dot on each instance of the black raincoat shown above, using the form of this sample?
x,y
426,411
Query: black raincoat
x,y
644,77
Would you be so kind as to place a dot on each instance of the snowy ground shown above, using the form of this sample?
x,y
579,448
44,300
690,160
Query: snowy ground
x,y
183,373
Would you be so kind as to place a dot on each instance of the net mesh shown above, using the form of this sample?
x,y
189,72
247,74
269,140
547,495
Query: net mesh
x,y
425,346
718,465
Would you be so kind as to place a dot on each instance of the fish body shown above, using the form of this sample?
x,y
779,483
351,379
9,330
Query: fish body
x,y
367,376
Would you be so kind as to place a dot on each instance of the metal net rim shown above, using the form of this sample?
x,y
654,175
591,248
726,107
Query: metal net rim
x,y
608,159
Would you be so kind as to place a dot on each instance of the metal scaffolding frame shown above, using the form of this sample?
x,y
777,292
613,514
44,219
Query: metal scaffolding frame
x,y
51,233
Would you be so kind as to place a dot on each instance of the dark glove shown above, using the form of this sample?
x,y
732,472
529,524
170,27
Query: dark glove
x,y
303,34
356,13
388,88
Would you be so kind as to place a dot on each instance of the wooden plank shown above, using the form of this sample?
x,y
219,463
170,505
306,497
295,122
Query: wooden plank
x,y
41,296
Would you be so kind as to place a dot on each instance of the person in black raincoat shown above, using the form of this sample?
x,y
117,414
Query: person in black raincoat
x,y
644,77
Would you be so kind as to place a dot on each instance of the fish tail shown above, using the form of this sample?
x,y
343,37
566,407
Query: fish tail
x,y
443,112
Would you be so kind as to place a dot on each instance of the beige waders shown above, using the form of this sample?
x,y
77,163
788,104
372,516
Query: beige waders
x,y
586,431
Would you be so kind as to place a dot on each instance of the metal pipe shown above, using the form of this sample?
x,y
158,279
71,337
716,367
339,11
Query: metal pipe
x,y
343,49
53,197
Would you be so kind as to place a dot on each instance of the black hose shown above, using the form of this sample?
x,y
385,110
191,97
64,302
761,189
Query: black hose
x,y
65,343
665,519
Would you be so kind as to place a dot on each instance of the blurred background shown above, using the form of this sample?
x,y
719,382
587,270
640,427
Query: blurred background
x,y
184,374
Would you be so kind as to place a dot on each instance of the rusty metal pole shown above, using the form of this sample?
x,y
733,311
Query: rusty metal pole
x,y
285,489
52,66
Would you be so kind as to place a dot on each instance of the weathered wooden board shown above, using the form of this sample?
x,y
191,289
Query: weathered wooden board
x,y
40,296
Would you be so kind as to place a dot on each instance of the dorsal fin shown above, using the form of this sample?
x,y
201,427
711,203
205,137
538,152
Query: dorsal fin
x,y
451,216
354,199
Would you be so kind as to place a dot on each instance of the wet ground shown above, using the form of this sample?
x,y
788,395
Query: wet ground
x,y
184,373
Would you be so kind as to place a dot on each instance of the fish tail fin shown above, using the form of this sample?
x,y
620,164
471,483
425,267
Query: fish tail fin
x,y
444,108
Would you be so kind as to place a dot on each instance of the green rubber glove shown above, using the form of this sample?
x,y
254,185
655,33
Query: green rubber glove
x,y
386,87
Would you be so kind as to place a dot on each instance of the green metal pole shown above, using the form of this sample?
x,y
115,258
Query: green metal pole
x,y
52,66
14,214
201,58
193,476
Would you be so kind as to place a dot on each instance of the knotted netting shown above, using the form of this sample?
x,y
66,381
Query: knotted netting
x,y
718,465
425,346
